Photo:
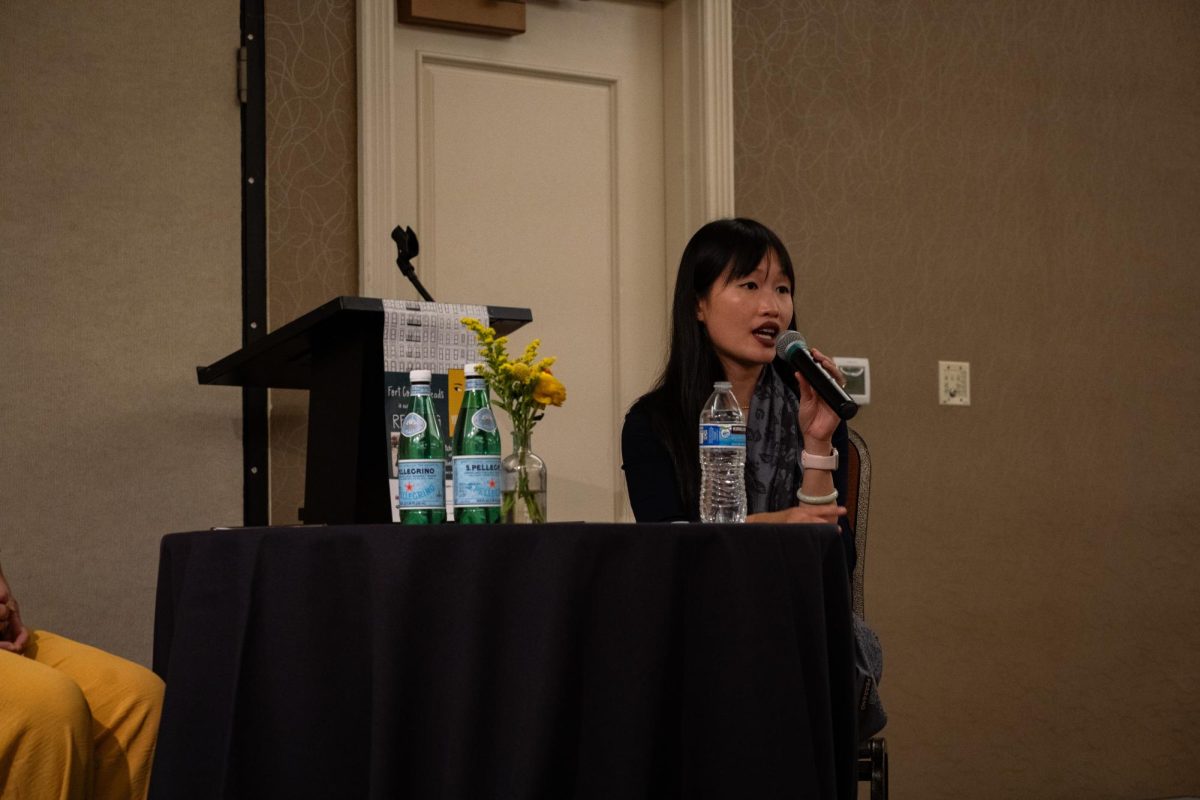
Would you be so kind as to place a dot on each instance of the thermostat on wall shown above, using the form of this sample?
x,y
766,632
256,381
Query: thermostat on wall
x,y
857,372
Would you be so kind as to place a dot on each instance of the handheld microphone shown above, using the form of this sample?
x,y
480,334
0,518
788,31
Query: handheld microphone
x,y
791,347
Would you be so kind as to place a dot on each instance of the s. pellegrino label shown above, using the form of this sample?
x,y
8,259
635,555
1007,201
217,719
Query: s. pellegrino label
x,y
476,481
422,484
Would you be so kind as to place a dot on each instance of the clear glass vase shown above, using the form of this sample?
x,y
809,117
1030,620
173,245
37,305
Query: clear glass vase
x,y
523,481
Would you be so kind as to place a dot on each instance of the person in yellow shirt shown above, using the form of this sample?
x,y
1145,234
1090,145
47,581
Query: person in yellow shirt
x,y
75,722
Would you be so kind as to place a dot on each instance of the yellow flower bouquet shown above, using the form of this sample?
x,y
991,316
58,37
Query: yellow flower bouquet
x,y
523,387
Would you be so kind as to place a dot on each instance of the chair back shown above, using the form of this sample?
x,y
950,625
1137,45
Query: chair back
x,y
872,754
858,502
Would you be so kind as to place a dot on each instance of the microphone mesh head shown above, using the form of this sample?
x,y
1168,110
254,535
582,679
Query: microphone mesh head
x,y
786,340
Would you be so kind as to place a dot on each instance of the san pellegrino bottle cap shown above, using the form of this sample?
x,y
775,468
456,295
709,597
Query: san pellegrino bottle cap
x,y
722,385
471,370
420,376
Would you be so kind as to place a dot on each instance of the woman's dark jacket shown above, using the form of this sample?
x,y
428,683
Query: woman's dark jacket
x,y
654,487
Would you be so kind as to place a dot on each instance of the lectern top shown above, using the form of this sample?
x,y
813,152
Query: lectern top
x,y
283,358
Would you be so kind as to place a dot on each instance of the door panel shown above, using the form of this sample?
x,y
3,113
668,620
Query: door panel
x,y
532,169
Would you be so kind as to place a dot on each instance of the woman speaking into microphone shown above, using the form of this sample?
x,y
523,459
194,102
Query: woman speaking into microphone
x,y
733,298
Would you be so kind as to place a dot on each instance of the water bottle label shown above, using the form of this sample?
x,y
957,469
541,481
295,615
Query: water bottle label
x,y
412,425
722,435
475,384
477,481
421,390
484,420
422,484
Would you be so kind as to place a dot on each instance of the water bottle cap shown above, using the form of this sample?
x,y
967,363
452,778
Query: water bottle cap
x,y
471,370
722,386
420,376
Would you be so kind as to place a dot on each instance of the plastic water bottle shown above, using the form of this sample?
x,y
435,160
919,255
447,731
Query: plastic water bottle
x,y
722,457
476,458
421,458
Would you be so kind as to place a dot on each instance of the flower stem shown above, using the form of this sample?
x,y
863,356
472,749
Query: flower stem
x,y
521,442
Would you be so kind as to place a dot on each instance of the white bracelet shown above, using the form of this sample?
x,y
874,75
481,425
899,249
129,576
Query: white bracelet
x,y
816,501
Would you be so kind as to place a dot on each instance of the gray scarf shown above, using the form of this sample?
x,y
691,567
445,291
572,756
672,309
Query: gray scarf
x,y
773,445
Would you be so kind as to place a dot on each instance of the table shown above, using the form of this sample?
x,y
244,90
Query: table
x,y
550,661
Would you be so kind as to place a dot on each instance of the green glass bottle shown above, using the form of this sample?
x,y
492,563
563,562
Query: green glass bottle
x,y
476,459
421,458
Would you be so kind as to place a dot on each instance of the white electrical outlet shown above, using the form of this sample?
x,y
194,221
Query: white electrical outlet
x,y
954,383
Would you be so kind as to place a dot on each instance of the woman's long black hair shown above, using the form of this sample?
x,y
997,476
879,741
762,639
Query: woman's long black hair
x,y
674,403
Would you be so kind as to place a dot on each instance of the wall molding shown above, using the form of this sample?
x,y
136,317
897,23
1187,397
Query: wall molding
x,y
716,98
697,121
376,132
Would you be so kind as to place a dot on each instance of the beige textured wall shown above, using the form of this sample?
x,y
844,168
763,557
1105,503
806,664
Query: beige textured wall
x,y
1014,184
312,197
120,271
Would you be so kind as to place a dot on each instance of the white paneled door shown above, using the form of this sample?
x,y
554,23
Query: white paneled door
x,y
531,168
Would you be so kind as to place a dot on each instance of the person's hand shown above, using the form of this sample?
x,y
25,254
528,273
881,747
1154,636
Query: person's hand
x,y
827,514
13,633
817,420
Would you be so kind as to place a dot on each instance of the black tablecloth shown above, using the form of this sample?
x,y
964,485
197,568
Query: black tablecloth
x,y
551,661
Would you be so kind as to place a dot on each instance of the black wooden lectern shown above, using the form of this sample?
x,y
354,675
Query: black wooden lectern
x,y
336,352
